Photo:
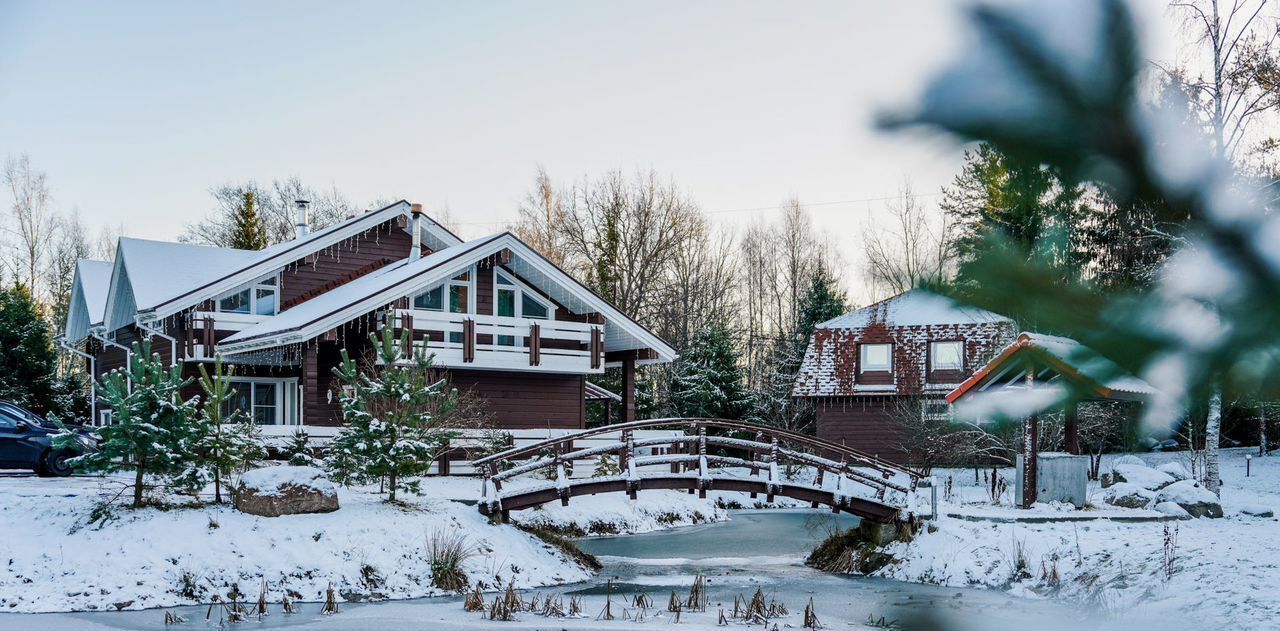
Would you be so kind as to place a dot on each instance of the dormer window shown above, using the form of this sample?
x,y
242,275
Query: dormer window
x,y
875,358
946,356
512,299
260,298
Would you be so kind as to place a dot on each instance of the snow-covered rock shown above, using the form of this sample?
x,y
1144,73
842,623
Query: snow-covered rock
x,y
286,490
1128,495
1141,475
1257,510
1170,508
1192,497
1176,470
1128,459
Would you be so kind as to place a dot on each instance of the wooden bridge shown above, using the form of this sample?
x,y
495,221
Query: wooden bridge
x,y
733,456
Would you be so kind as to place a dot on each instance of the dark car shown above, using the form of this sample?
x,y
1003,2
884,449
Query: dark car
x,y
26,442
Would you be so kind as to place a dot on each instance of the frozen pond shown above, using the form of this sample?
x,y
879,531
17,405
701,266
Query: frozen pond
x,y
757,549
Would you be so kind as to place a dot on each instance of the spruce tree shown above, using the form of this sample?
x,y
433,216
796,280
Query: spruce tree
x,y
298,451
249,232
151,433
707,380
226,441
27,358
394,417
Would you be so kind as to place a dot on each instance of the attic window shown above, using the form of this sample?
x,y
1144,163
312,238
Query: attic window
x,y
875,358
260,298
946,356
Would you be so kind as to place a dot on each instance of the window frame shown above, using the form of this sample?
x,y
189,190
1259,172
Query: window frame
x,y
270,282
443,288
862,358
933,357
520,290
287,412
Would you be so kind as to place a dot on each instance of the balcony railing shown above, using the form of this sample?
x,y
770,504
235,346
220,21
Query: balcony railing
x,y
463,340
201,338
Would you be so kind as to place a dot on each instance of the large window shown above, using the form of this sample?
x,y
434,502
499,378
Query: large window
x,y
875,358
513,300
262,401
946,356
460,292
260,298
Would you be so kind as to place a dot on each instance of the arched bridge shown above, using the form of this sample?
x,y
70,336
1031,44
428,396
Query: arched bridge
x,y
708,455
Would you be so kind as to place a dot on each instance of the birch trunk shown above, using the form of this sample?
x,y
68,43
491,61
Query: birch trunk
x,y
1212,431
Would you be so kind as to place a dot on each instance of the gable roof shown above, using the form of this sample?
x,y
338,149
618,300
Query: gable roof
x,y
916,307
88,298
1058,358
404,278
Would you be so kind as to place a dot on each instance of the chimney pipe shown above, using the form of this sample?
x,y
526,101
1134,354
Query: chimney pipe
x,y
303,226
415,211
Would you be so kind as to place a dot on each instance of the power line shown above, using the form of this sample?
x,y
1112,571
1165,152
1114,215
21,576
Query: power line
x,y
756,209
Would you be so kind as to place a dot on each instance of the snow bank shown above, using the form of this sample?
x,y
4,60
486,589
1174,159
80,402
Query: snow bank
x,y
1142,475
614,513
67,559
269,480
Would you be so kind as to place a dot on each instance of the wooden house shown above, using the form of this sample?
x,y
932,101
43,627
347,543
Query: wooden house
x,y
502,320
898,356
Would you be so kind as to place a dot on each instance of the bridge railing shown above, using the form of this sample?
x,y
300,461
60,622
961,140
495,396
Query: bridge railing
x,y
690,451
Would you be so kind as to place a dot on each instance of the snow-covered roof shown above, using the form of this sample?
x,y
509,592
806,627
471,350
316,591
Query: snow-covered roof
x,y
88,297
1056,358
406,278
913,308
148,272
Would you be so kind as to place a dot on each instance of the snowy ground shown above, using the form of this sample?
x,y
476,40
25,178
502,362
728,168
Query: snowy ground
x,y
1224,570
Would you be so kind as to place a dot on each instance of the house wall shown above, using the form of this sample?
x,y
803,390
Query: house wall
x,y
527,400
862,423
309,277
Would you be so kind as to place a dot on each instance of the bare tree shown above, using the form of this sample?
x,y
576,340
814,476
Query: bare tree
x,y
542,218
275,207
32,222
915,245
700,286
70,244
1232,81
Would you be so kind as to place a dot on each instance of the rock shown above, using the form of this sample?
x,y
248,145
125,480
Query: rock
x,y
1128,459
1176,470
1169,508
1142,475
276,491
120,606
1257,510
1107,480
1192,497
1126,495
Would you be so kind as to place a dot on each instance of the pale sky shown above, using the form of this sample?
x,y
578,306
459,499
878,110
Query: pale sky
x,y
135,109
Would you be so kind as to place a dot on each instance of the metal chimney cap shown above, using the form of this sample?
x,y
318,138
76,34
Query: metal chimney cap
x,y
301,203
416,209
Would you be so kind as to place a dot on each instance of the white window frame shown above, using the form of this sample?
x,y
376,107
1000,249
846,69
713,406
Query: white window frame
x,y
521,290
444,292
105,417
933,355
270,281
862,357
286,403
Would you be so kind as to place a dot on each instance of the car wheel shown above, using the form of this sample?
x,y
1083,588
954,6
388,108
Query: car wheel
x,y
55,464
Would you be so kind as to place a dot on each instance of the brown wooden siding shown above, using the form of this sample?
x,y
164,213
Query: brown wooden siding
x,y
527,400
344,262
863,423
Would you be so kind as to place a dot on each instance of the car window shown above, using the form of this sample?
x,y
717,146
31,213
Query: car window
x,y
21,413
7,419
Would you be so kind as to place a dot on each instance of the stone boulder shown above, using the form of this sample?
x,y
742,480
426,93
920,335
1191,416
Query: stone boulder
x,y
1126,495
1175,470
1257,510
1141,475
1193,498
1171,509
286,490
1128,459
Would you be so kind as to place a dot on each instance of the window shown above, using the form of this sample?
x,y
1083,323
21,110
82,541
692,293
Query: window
x,y
459,291
429,300
946,356
934,409
105,417
514,300
262,401
260,298
875,358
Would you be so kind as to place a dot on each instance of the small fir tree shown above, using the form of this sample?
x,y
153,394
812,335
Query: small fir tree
x,y
249,232
151,432
707,380
226,441
394,417
298,451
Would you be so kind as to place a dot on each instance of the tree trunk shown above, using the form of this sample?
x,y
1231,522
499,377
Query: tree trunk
x,y
1212,431
140,468
1262,430
391,485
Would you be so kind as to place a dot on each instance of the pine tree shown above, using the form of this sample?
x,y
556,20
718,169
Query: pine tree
x,y
249,232
394,417
298,451
224,442
707,380
28,362
151,432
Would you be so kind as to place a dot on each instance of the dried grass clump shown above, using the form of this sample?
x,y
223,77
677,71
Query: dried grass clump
x,y
447,550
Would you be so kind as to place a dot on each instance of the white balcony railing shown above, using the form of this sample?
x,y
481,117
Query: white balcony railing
x,y
463,340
